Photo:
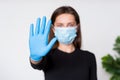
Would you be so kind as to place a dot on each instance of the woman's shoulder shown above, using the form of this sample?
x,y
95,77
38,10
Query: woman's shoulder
x,y
87,55
86,52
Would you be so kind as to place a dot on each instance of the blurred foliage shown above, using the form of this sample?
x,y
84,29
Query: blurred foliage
x,y
112,64
117,45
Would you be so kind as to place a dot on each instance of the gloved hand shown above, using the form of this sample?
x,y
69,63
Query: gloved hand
x,y
38,40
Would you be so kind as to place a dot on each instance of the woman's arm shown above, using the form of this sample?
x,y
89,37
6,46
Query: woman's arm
x,y
40,65
93,67
35,62
38,43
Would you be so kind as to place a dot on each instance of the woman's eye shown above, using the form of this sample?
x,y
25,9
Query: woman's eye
x,y
71,25
59,25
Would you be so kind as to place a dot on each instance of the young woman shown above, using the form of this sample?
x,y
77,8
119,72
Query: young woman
x,y
61,57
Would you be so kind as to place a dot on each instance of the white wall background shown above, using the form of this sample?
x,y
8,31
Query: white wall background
x,y
100,23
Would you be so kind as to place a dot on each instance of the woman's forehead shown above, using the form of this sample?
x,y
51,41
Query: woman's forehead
x,y
65,18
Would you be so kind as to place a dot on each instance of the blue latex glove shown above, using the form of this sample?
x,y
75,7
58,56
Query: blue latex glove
x,y
38,40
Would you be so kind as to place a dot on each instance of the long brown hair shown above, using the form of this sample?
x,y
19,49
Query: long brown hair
x,y
68,10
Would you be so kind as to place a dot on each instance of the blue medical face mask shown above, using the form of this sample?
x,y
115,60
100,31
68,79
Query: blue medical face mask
x,y
65,35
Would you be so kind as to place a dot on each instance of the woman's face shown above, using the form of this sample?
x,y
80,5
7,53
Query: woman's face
x,y
65,20
65,28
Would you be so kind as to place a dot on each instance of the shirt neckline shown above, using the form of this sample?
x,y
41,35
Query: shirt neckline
x,y
60,51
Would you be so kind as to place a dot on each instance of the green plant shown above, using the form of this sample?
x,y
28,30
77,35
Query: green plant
x,y
112,64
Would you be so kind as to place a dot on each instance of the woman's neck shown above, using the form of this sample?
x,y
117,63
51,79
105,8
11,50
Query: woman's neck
x,y
66,48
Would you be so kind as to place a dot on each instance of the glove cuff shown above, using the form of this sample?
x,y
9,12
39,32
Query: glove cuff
x,y
36,59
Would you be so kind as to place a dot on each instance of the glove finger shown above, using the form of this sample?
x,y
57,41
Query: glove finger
x,y
31,30
43,25
52,42
37,29
47,29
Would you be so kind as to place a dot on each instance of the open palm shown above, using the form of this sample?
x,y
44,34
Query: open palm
x,y
38,39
